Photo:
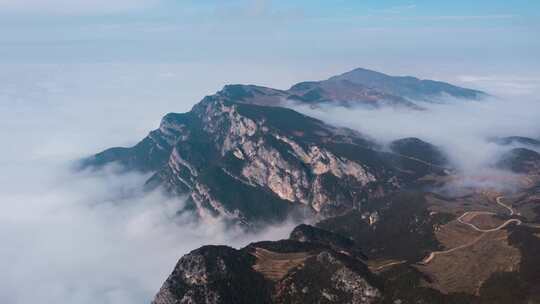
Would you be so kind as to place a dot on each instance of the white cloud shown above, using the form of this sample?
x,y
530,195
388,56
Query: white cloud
x,y
461,128
95,238
79,7
92,237
506,85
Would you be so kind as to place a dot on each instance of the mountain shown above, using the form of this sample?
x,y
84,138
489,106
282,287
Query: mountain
x,y
391,223
359,87
406,86
520,160
287,271
251,163
239,146
345,93
418,149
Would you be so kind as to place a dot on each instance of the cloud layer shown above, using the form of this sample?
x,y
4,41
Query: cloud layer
x,y
90,237
462,128
94,237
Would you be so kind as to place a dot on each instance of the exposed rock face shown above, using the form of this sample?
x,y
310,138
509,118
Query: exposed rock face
x,y
327,277
306,273
238,156
213,275
254,163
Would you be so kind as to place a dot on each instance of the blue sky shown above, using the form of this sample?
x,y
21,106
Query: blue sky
x,y
489,34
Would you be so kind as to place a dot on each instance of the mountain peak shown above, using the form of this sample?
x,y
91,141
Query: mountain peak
x,y
361,72
407,86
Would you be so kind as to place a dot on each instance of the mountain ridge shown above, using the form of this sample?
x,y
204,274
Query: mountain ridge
x,y
272,155
407,86
359,87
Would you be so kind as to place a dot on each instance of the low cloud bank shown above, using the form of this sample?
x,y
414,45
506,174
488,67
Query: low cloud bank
x,y
94,237
462,128
90,237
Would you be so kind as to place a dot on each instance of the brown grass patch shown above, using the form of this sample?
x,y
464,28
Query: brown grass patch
x,y
455,234
485,221
465,270
274,265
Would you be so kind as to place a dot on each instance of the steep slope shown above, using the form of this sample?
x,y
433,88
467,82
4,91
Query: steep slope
x,y
252,163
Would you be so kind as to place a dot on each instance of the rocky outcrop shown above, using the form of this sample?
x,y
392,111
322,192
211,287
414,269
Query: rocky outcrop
x,y
212,275
328,277
270,272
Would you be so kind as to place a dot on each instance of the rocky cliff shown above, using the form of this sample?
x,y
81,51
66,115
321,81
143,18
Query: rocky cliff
x,y
288,271
250,163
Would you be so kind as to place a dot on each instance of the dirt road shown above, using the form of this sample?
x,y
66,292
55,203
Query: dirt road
x,y
467,216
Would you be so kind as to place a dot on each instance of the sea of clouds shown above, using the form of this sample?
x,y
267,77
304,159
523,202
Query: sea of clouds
x,y
464,129
94,237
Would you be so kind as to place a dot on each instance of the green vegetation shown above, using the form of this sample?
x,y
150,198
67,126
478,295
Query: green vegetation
x,y
403,230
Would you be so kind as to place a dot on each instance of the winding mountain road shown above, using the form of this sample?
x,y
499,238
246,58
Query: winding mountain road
x,y
499,201
432,255
475,213
381,267
472,214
